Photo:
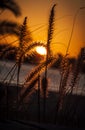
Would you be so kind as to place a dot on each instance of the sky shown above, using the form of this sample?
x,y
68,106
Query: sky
x,y
38,12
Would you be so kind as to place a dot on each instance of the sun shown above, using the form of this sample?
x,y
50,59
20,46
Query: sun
x,y
41,50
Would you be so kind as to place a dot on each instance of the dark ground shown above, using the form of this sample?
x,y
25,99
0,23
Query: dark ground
x,y
71,116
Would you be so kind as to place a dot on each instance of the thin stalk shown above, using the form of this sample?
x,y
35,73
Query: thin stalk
x,y
9,72
18,74
44,94
44,107
12,75
8,92
7,102
74,21
38,98
49,39
62,75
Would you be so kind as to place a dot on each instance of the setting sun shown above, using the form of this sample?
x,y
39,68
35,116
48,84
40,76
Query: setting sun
x,y
41,50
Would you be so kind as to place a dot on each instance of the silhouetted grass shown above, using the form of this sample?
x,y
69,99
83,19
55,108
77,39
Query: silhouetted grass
x,y
65,103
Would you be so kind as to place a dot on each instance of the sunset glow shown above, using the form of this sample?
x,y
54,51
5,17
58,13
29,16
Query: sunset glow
x,y
38,20
41,50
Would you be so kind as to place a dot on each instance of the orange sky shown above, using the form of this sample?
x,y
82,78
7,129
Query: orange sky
x,y
38,14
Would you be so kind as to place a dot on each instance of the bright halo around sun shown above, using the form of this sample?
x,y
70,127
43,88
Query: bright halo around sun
x,y
41,50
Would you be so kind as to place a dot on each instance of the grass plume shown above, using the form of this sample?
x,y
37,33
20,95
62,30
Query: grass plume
x,y
76,70
39,69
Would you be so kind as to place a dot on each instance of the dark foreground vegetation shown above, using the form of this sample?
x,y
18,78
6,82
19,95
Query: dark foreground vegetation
x,y
31,110
33,101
